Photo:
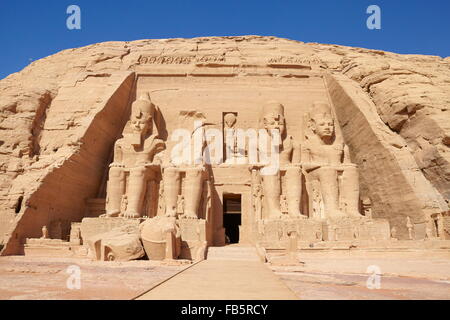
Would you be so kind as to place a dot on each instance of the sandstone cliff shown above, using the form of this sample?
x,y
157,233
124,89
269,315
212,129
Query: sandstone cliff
x,y
60,116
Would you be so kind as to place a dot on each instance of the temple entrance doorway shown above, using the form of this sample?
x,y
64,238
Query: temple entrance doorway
x,y
231,217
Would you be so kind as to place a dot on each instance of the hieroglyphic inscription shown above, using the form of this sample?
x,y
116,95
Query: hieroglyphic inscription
x,y
181,59
306,60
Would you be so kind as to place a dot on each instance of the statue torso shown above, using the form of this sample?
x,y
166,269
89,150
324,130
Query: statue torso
x,y
133,155
326,154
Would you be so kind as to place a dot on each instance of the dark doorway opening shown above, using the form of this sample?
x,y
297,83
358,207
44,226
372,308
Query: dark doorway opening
x,y
232,217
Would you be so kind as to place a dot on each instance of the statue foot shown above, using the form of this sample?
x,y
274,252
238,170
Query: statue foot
x,y
297,215
355,214
189,216
130,215
112,213
337,215
170,215
276,215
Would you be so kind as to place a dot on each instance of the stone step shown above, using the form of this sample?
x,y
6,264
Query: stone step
x,y
232,253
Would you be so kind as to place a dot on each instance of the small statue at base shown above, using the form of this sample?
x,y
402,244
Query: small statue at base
x,y
44,232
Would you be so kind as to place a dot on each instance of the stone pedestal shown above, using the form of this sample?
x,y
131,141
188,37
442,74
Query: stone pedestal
x,y
47,248
75,234
275,233
193,238
91,227
356,229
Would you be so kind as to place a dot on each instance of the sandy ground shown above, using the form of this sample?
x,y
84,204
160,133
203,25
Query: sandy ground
x,y
344,275
324,275
27,278
223,280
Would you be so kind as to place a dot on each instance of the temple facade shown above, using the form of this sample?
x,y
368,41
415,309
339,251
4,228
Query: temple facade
x,y
188,151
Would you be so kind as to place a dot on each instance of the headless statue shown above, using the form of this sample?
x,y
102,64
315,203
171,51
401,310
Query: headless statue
x,y
133,153
326,160
193,170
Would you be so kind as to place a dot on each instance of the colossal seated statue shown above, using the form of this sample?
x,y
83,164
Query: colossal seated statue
x,y
133,156
328,170
273,122
183,170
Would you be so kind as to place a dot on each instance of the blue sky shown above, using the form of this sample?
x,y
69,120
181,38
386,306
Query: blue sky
x,y
30,30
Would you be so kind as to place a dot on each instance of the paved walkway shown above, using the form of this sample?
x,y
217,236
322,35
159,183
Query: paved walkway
x,y
229,273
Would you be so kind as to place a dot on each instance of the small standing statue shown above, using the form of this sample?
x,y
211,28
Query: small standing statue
x,y
367,207
428,231
410,226
394,233
284,204
180,205
124,203
44,232
233,154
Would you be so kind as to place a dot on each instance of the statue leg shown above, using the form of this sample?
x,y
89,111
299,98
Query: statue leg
x,y
135,192
171,180
115,191
272,192
330,191
294,191
350,191
193,192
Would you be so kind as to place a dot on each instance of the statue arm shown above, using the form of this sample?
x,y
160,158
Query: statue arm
x,y
297,153
118,153
158,146
346,154
306,153
307,160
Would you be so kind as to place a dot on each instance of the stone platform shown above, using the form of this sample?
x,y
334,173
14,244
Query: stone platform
x,y
194,238
52,248
356,229
91,227
275,233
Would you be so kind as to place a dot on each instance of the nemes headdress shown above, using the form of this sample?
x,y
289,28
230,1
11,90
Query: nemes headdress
x,y
143,105
271,107
320,108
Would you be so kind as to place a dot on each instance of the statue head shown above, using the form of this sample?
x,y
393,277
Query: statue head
x,y
141,120
322,122
230,120
273,117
